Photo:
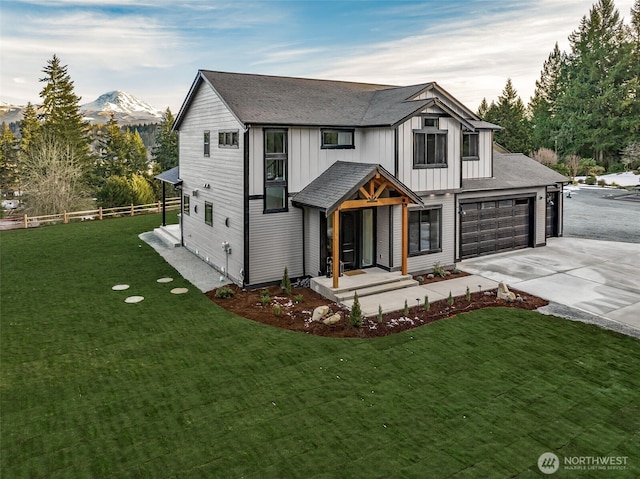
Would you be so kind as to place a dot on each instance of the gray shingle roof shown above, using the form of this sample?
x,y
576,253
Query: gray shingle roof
x,y
170,176
340,182
515,170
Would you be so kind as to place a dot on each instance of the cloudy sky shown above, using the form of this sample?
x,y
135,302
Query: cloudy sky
x,y
153,48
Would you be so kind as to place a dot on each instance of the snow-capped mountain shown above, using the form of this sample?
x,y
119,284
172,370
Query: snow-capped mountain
x,y
124,106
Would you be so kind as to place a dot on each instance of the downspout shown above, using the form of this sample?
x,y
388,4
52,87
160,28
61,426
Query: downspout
x,y
245,276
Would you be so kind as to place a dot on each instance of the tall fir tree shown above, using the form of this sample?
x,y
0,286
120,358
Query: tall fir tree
x,y
9,173
61,111
121,153
29,127
543,104
593,108
509,113
165,153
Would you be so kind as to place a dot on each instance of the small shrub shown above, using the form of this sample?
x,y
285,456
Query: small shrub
x,y
591,180
456,271
450,299
601,182
355,316
224,293
265,300
379,314
297,298
277,310
438,270
264,292
406,309
420,279
286,283
426,305
467,295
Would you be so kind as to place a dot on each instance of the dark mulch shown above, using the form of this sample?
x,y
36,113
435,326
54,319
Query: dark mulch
x,y
296,316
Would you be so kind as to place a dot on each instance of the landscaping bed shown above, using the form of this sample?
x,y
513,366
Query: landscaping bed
x,y
296,316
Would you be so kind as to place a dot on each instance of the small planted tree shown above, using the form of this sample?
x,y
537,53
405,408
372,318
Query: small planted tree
x,y
379,314
406,309
355,316
426,305
450,299
286,283
467,295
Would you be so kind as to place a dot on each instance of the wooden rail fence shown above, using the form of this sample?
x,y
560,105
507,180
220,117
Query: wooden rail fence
x,y
98,214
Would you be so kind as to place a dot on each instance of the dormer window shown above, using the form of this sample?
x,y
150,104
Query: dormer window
x,y
429,122
470,146
337,139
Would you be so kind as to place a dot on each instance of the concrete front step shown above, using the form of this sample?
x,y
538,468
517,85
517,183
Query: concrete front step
x,y
167,237
376,288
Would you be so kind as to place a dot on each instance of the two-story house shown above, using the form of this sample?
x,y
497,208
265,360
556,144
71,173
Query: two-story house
x,y
314,175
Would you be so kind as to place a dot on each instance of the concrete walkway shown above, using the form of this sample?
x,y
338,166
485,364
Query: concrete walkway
x,y
588,280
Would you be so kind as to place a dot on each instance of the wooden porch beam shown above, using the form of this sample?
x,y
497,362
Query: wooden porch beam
x,y
365,193
380,190
336,248
354,204
405,237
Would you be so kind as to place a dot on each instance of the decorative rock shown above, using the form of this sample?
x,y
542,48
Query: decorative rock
x,y
134,299
165,280
333,319
319,313
504,293
520,299
179,290
430,276
120,287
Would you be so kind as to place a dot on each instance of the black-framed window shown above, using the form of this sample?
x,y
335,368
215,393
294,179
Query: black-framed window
x,y
470,144
228,139
429,148
275,170
337,138
207,142
430,122
186,209
425,231
208,213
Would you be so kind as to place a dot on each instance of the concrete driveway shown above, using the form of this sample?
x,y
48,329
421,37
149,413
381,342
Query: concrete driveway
x,y
590,280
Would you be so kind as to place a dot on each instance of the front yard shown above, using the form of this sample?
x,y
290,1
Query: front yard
x,y
175,386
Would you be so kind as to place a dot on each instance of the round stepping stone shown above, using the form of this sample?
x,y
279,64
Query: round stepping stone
x,y
134,299
120,287
165,280
179,290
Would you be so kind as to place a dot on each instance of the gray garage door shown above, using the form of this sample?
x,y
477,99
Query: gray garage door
x,y
488,227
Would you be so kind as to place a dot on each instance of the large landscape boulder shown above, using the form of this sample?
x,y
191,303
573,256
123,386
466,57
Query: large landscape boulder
x,y
319,313
504,293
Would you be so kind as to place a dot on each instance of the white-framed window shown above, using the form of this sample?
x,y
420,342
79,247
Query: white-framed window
x,y
186,209
228,139
337,138
425,231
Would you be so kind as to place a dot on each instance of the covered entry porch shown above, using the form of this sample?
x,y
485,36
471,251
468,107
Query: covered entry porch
x,y
346,195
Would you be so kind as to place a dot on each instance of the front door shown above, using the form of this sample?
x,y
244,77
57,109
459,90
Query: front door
x,y
357,239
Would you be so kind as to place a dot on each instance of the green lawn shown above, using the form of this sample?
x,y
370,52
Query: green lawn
x,y
174,386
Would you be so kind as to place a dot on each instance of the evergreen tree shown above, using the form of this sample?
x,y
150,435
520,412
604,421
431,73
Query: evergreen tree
x,y
483,108
120,153
542,106
29,127
596,108
9,174
165,153
509,113
61,111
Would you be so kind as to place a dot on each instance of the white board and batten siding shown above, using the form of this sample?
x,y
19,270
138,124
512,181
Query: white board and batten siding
x,y
482,167
275,242
425,262
429,179
307,160
222,170
312,241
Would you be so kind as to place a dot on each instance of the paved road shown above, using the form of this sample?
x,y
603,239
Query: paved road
x,y
602,214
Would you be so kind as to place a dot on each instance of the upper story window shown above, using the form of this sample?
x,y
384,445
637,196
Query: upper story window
x,y
228,139
429,149
425,231
275,170
337,138
430,122
207,142
470,146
